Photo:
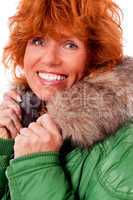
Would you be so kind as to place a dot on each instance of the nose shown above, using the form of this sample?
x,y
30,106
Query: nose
x,y
50,55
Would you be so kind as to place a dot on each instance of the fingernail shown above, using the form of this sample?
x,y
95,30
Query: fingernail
x,y
19,98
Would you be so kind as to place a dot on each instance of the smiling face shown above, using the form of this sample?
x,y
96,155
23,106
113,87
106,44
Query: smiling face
x,y
54,65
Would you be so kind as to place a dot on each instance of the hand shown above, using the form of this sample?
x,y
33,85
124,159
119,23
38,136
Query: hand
x,y
10,115
40,136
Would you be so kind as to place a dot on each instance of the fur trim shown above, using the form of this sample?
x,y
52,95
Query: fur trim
x,y
92,109
95,107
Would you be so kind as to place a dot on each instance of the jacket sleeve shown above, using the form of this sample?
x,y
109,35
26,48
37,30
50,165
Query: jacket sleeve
x,y
38,176
114,173
103,172
6,152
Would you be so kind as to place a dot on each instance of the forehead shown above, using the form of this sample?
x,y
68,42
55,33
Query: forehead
x,y
59,32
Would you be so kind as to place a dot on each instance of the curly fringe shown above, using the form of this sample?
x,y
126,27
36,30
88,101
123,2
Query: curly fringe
x,y
96,21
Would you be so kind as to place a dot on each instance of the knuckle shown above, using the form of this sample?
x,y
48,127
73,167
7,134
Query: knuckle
x,y
23,130
31,125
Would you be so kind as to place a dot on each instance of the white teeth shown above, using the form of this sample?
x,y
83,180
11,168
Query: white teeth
x,y
51,77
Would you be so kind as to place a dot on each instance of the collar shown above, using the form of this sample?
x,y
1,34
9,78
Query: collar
x,y
95,107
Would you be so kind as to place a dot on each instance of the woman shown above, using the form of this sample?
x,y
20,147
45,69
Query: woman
x,y
80,145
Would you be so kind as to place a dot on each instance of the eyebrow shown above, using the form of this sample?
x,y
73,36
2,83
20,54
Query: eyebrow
x,y
67,37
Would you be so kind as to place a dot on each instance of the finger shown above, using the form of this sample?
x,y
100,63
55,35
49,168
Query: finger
x,y
46,121
10,113
42,132
14,94
26,132
4,133
10,120
29,134
10,103
10,126
20,140
24,144
38,129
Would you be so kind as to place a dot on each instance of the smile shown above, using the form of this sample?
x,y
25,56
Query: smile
x,y
49,78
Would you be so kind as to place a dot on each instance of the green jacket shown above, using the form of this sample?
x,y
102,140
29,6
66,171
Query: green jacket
x,y
103,172
96,116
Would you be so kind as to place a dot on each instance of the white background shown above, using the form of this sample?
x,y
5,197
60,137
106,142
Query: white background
x,y
7,8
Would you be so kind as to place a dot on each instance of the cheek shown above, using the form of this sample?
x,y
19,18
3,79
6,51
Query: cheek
x,y
28,64
26,60
80,63
30,57
81,67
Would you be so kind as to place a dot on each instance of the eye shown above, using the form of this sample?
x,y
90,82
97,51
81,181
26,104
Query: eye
x,y
38,41
70,45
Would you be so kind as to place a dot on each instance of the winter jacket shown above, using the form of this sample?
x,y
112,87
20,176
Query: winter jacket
x,y
96,159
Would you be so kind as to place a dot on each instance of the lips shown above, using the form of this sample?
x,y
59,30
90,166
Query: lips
x,y
52,79
51,76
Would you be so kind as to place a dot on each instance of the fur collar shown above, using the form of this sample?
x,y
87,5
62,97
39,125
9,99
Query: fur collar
x,y
95,107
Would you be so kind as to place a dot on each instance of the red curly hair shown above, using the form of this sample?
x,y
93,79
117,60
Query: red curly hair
x,y
94,21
